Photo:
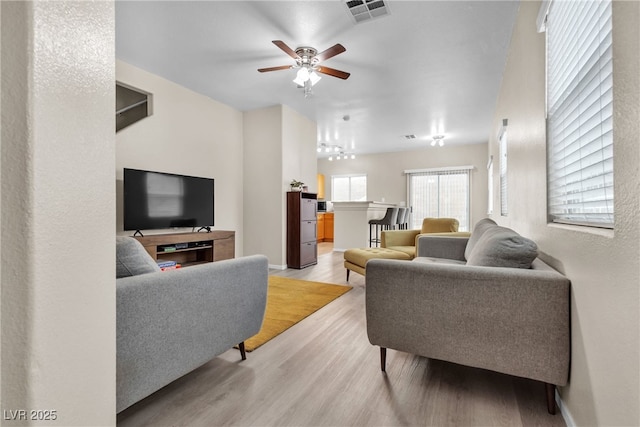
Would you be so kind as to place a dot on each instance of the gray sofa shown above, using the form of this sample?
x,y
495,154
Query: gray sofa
x,y
171,322
484,301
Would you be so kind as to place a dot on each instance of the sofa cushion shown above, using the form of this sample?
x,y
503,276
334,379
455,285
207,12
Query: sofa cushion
x,y
503,247
409,250
132,259
439,225
432,260
360,256
479,229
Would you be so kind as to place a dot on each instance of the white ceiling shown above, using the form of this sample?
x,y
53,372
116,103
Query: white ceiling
x,y
427,67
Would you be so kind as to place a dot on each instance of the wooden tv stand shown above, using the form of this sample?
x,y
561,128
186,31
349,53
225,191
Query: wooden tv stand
x,y
200,247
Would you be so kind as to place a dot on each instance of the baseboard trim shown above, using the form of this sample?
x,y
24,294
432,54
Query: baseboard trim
x,y
338,250
277,267
568,419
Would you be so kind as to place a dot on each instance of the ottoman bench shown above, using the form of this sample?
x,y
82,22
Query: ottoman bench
x,y
356,259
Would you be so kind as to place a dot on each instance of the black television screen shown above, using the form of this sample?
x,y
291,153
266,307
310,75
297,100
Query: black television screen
x,y
155,200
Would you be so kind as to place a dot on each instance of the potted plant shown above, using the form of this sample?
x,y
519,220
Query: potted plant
x,y
296,185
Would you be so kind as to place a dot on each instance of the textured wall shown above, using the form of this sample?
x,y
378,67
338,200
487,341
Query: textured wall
x,y
58,199
603,265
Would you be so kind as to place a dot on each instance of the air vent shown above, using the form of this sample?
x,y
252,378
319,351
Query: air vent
x,y
365,10
409,137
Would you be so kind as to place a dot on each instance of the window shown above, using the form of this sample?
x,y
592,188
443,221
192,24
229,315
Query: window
x,y
579,113
437,193
348,188
502,137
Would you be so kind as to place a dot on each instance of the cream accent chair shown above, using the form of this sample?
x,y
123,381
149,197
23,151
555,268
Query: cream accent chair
x,y
405,240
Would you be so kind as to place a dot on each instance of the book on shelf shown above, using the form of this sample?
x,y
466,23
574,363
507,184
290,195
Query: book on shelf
x,y
173,267
168,263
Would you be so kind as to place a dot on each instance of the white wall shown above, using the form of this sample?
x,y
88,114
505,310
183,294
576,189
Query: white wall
x,y
187,133
263,209
58,263
280,145
603,265
1,210
299,150
387,182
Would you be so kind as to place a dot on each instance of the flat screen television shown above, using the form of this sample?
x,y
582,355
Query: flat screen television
x,y
156,200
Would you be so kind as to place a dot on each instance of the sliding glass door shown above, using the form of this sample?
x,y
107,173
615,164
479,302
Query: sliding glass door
x,y
439,193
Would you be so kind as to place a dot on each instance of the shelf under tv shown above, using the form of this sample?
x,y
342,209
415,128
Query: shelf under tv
x,y
202,247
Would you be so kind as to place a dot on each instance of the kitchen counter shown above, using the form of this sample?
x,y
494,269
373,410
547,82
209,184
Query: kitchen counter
x,y
351,222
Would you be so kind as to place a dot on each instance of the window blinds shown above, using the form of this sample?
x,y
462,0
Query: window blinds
x,y
504,211
439,194
580,110
348,188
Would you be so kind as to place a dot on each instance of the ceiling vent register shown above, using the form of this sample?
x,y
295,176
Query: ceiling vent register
x,y
365,10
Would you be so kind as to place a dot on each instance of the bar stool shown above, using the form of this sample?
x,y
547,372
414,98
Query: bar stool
x,y
402,218
386,223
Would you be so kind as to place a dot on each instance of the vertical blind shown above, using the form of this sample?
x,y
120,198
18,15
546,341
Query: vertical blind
x,y
503,169
580,111
490,186
439,193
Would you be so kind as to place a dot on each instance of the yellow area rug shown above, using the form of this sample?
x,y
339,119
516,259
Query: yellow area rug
x,y
288,302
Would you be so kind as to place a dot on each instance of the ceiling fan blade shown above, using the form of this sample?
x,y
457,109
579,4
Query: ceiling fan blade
x,y
281,67
331,52
282,45
333,72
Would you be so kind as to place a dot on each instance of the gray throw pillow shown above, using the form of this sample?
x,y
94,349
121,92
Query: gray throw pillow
x,y
479,229
503,247
132,259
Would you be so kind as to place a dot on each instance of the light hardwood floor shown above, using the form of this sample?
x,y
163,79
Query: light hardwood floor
x,y
324,372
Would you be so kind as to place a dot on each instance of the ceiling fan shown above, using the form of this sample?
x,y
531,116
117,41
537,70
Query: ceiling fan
x,y
307,62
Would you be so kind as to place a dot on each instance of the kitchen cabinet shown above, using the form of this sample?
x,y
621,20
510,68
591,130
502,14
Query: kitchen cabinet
x,y
321,217
321,192
328,227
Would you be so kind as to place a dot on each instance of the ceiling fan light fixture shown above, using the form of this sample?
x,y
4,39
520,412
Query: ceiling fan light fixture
x,y
314,77
437,139
302,76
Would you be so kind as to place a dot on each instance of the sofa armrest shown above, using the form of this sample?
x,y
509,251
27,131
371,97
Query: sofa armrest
x,y
514,321
169,323
398,238
442,245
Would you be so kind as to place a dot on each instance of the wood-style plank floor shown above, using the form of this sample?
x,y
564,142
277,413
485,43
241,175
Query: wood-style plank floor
x,y
324,372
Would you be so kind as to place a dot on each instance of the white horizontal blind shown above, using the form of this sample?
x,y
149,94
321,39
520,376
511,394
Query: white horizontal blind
x,y
439,194
580,110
